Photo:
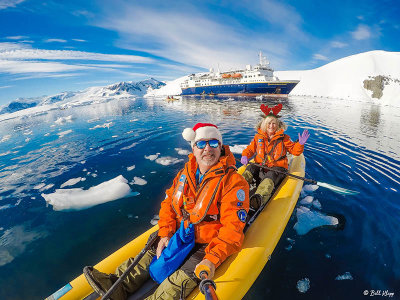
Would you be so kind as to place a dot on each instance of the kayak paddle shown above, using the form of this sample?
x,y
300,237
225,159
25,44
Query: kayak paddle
x,y
207,286
336,189
134,263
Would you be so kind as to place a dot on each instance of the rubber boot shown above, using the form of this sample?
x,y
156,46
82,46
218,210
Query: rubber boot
x,y
248,176
139,274
262,194
102,282
176,286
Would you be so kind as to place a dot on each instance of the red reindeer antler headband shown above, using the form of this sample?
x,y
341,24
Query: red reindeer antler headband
x,y
275,110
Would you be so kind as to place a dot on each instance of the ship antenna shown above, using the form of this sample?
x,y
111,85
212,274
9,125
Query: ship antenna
x,y
260,57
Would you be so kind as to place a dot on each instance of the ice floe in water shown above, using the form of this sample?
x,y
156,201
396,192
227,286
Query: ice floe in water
x,y
130,168
78,198
62,120
63,133
307,200
182,151
303,285
168,160
345,276
138,181
310,187
105,125
238,149
5,138
129,147
317,204
152,157
70,182
308,219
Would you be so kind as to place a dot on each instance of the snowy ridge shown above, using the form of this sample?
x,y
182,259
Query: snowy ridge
x,y
346,78
93,94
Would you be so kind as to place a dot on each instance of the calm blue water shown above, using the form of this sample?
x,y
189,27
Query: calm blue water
x,y
352,145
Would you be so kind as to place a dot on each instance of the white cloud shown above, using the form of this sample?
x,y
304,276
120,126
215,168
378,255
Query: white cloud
x,y
55,41
336,44
320,57
14,51
19,67
79,40
196,38
9,3
16,37
362,32
16,58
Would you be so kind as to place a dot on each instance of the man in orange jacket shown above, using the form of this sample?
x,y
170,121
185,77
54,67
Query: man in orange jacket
x,y
208,193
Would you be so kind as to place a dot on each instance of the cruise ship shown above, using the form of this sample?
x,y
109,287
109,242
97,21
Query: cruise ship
x,y
252,81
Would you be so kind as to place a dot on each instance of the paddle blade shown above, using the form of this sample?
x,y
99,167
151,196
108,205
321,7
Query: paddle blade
x,y
337,189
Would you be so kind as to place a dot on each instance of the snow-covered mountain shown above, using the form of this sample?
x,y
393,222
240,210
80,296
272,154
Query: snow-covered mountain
x,y
115,91
369,76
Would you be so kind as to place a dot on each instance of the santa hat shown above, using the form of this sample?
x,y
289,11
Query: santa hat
x,y
202,131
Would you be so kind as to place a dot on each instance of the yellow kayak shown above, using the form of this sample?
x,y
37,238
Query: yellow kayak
x,y
237,274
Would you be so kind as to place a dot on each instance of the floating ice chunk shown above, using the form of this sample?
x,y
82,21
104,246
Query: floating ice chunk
x,y
77,199
310,188
182,151
307,200
155,220
47,187
307,220
5,138
105,125
168,160
130,168
39,186
62,120
345,276
152,157
317,204
138,181
72,181
129,147
238,149
63,133
303,285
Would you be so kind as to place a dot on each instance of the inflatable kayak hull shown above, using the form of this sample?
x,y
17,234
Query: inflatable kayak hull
x,y
237,274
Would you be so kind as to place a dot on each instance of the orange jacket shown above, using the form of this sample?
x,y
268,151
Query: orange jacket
x,y
217,207
272,153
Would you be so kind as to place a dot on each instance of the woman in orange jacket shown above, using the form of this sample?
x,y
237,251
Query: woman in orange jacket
x,y
270,145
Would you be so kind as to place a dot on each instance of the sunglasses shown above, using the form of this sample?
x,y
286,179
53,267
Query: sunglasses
x,y
211,143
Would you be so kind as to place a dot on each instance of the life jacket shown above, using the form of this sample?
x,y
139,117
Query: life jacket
x,y
271,153
202,206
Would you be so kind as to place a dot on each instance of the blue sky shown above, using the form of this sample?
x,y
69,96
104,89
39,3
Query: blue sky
x,y
47,47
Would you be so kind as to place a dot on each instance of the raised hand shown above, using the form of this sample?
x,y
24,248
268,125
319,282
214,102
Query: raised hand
x,y
304,137
244,160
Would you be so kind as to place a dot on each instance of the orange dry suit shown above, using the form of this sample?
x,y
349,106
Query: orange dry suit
x,y
217,206
272,153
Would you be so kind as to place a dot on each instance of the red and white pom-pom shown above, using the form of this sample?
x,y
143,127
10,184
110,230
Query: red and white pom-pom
x,y
189,134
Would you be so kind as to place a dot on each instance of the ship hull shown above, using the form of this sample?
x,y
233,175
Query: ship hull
x,y
261,88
